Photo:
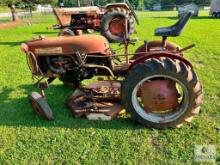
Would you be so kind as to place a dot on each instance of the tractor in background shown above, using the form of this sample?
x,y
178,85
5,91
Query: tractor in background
x,y
109,20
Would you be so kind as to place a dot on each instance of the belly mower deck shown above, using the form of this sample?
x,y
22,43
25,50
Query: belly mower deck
x,y
97,101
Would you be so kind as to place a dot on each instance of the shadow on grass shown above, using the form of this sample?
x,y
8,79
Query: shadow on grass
x,y
16,43
17,112
46,32
4,20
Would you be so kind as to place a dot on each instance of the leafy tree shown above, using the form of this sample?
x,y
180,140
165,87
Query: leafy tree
x,y
34,2
135,3
202,2
198,2
148,4
11,4
167,4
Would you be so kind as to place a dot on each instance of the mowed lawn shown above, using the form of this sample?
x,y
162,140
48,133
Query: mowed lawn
x,y
27,139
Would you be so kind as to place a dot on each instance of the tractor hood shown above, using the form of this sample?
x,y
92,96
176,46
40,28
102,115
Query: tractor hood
x,y
88,44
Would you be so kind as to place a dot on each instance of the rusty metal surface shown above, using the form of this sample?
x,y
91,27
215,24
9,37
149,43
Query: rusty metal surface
x,y
87,44
102,97
63,15
159,95
75,10
24,47
117,27
156,46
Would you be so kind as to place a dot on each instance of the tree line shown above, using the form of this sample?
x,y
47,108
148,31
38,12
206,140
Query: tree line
x,y
137,4
168,4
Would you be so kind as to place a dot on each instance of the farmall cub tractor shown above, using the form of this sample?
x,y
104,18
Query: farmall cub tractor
x,y
156,84
107,19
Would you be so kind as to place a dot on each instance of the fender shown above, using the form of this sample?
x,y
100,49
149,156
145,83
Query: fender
x,y
170,46
158,55
156,44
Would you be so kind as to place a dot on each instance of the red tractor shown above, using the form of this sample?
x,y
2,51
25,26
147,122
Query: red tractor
x,y
108,19
155,84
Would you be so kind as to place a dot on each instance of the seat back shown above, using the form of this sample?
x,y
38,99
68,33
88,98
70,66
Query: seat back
x,y
179,26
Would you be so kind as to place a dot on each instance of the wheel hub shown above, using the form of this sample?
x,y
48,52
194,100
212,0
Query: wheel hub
x,y
116,26
159,95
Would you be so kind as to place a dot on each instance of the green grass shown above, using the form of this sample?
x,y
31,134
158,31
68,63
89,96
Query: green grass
x,y
27,139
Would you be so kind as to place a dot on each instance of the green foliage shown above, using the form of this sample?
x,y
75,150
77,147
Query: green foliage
x,y
170,4
8,2
135,3
138,4
149,3
178,2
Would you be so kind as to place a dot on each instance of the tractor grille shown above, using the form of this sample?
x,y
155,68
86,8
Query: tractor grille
x,y
33,64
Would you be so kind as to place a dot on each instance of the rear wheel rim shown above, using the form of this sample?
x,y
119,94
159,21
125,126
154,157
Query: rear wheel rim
x,y
160,117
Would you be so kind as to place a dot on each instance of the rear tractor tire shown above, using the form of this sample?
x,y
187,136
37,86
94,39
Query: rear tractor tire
x,y
181,79
40,106
112,24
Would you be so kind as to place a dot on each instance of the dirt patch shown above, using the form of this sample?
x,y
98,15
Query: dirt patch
x,y
10,24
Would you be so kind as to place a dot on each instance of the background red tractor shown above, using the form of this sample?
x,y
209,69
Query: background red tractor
x,y
109,20
156,84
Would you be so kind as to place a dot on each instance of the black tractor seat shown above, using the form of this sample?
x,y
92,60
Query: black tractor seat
x,y
176,29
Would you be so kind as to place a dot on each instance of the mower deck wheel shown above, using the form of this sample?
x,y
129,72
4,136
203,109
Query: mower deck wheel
x,y
40,106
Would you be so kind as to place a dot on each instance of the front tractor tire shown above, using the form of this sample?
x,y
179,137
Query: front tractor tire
x,y
40,106
112,24
188,93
